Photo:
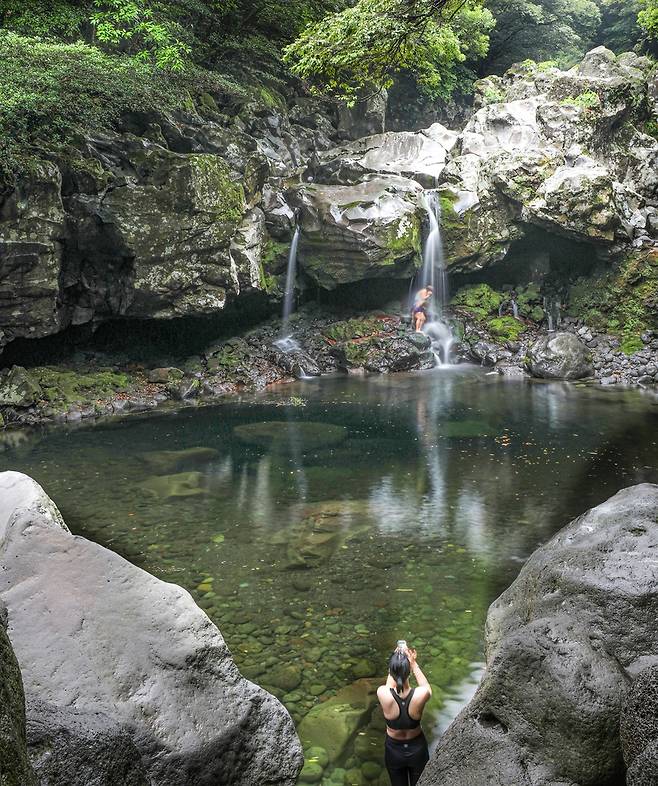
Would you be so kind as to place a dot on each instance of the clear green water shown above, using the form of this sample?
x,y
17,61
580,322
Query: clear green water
x,y
402,515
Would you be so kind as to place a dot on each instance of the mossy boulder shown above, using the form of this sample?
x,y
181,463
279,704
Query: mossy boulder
x,y
479,299
18,388
505,328
62,388
369,230
622,301
284,436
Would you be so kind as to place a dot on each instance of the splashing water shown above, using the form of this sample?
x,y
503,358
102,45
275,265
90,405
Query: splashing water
x,y
285,342
434,274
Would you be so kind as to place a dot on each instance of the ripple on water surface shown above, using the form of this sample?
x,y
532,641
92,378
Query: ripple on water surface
x,y
319,523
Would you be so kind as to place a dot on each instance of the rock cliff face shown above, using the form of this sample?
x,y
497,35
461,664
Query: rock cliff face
x,y
179,215
563,645
126,679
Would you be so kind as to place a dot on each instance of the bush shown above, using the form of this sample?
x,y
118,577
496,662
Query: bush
x,y
51,92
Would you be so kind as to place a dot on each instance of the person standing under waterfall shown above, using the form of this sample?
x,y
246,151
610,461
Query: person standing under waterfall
x,y
405,751
419,311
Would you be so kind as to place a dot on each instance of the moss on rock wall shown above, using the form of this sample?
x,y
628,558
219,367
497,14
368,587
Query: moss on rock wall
x,y
623,301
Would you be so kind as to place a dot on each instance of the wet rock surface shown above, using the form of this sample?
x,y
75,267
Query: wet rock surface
x,y
15,768
124,668
563,643
559,356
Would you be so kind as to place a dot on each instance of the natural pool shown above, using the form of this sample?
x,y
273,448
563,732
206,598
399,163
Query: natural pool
x,y
363,511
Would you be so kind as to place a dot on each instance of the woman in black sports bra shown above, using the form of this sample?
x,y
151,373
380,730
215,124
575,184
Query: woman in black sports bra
x,y
406,751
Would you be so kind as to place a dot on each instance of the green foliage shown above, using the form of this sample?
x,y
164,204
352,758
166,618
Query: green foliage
x,y
545,30
480,299
586,100
647,18
360,48
51,92
133,22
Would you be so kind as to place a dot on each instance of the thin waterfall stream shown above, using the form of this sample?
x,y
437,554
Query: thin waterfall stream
x,y
285,342
435,274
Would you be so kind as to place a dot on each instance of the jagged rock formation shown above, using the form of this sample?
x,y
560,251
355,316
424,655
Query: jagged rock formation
x,y
126,679
15,769
179,215
563,643
562,150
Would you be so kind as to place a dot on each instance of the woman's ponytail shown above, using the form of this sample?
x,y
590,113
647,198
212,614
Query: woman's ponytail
x,y
399,668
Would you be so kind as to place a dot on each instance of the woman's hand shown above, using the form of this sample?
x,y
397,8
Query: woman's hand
x,y
411,654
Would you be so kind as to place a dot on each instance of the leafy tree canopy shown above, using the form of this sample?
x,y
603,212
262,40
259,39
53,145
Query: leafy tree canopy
x,y
559,30
648,18
361,47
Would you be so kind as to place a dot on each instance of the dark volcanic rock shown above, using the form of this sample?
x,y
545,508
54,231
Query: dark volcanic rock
x,y
562,645
127,664
69,747
639,729
559,356
15,767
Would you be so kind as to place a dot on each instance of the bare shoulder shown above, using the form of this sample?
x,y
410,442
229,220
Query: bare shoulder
x,y
423,693
384,694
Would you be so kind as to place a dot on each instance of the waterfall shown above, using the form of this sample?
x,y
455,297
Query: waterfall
x,y
515,309
553,314
434,274
286,342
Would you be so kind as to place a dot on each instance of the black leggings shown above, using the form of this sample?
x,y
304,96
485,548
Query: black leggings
x,y
405,759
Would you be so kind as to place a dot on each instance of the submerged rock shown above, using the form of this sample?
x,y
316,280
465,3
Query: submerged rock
x,y
562,644
127,665
182,484
288,436
333,724
163,462
559,356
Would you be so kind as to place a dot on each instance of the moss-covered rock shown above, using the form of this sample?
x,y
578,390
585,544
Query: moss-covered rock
x,y
479,299
505,328
18,388
622,301
15,769
62,388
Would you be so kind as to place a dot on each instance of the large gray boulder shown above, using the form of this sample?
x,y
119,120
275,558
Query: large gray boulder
x,y
124,671
639,729
563,643
15,769
559,356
